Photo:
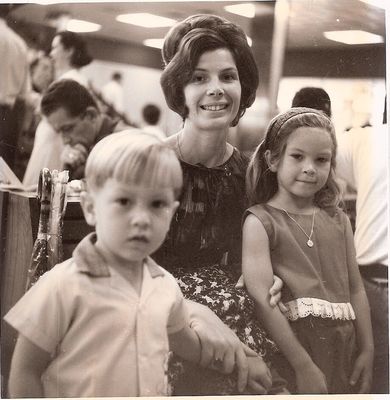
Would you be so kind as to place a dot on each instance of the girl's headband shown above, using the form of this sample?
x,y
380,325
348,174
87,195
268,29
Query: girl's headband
x,y
278,121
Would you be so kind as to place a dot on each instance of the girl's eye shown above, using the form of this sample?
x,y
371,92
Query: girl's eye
x,y
323,159
297,156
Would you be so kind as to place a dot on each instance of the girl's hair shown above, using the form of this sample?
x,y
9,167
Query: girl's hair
x,y
261,182
187,41
133,157
70,40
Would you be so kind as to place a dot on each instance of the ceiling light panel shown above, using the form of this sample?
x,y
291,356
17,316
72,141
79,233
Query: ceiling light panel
x,y
245,9
78,25
156,43
353,37
146,20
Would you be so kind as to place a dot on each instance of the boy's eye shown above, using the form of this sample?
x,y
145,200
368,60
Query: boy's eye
x,y
123,201
159,203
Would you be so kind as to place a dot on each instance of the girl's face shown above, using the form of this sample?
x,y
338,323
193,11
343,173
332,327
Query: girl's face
x,y
305,164
213,95
60,55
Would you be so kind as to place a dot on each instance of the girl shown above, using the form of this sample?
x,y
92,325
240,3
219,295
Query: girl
x,y
296,230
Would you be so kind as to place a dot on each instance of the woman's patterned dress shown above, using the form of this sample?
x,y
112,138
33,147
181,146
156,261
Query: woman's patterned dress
x,y
203,252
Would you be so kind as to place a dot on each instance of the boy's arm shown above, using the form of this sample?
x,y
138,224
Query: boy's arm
x,y
28,364
363,365
258,276
186,344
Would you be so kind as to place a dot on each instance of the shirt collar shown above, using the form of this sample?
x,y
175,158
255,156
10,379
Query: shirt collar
x,y
91,262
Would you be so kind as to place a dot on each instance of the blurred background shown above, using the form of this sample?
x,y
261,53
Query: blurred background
x,y
337,45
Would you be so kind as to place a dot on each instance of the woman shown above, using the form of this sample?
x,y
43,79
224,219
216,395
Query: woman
x,y
210,79
69,54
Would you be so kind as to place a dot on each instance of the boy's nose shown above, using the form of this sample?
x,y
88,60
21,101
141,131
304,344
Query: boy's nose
x,y
140,217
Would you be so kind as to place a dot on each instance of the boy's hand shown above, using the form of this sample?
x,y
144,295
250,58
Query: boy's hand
x,y
362,371
259,376
311,380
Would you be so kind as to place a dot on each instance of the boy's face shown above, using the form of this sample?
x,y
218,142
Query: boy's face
x,y
131,221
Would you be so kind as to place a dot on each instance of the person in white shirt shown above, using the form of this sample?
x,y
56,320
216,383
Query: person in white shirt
x,y
362,163
113,94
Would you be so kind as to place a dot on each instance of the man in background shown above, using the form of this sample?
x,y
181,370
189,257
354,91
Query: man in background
x,y
73,112
14,83
151,115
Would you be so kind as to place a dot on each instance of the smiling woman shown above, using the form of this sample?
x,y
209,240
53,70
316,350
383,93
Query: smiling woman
x,y
210,79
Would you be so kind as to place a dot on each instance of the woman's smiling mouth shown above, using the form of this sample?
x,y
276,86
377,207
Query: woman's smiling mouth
x,y
214,107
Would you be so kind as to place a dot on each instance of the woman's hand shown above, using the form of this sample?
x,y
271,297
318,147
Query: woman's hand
x,y
310,380
220,343
276,294
362,371
259,376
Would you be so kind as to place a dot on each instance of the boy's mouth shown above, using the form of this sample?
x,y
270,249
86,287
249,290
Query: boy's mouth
x,y
139,238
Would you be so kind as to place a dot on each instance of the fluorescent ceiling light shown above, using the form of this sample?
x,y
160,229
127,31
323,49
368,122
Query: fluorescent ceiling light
x,y
353,37
244,9
146,20
376,3
157,43
78,25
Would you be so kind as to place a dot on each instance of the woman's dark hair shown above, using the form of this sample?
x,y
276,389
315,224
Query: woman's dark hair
x,y
71,40
187,41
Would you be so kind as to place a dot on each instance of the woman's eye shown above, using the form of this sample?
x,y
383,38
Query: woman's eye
x,y
230,77
197,78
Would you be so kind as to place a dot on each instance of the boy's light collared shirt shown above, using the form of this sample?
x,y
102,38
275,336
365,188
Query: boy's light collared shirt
x,y
106,341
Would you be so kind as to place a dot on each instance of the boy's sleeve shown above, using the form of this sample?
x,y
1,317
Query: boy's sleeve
x,y
42,315
178,316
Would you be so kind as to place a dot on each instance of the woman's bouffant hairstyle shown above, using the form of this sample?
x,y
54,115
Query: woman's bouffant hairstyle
x,y
70,40
188,40
261,182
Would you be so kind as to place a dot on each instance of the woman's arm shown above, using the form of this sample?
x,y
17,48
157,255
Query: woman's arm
x,y
219,342
258,276
362,371
186,344
28,364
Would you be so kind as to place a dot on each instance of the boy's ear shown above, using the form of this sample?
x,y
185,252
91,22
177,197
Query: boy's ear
x,y
271,161
88,207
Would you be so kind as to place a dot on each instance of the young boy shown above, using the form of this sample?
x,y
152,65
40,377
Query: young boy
x,y
98,324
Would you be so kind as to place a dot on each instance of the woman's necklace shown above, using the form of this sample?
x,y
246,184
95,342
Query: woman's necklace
x,y
309,242
178,138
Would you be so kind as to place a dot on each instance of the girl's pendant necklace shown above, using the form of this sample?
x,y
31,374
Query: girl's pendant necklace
x,y
309,242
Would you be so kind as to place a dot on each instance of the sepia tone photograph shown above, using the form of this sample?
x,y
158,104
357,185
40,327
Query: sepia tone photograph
x,y
194,198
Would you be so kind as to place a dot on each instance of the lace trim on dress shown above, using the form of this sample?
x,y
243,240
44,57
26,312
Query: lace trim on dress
x,y
301,308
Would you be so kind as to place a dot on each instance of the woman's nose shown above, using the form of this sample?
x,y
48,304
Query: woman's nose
x,y
215,88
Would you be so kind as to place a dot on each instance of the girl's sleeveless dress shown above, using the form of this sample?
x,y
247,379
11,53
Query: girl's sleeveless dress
x,y
203,252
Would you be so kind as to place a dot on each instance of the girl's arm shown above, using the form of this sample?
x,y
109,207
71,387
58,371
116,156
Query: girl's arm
x,y
362,371
258,276
28,364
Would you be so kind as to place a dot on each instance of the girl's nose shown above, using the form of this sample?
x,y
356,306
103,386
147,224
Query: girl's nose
x,y
309,170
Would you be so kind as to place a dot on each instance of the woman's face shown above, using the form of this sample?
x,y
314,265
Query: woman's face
x,y
213,95
42,75
60,55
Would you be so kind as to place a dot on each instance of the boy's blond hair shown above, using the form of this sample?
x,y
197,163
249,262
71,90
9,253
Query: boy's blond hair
x,y
133,156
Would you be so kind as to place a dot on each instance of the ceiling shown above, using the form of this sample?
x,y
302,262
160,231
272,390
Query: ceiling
x,y
307,18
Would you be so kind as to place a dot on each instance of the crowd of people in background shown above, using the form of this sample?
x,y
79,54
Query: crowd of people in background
x,y
290,299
